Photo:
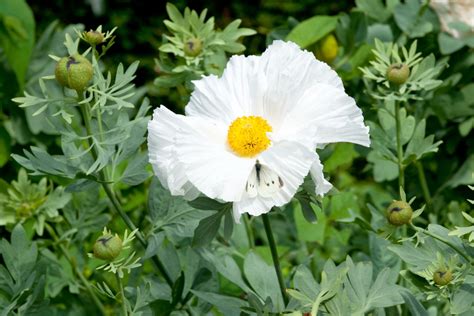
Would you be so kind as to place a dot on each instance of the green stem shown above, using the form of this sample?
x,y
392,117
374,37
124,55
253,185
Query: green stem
x,y
85,109
276,260
454,247
401,173
249,230
424,184
122,295
76,270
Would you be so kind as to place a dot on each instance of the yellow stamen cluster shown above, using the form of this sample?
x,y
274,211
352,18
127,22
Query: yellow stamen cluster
x,y
247,135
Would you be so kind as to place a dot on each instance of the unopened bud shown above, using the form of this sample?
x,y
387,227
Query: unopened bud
x,y
399,213
193,47
107,247
442,277
398,73
74,72
94,37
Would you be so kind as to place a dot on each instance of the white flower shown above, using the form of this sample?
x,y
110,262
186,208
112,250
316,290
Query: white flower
x,y
250,136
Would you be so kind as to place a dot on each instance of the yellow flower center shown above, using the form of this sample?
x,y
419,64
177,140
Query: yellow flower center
x,y
247,135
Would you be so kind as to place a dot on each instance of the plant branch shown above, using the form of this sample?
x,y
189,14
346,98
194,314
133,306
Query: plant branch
x,y
423,183
122,294
276,261
401,172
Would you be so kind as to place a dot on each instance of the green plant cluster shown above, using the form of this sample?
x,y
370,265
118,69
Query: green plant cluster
x,y
86,228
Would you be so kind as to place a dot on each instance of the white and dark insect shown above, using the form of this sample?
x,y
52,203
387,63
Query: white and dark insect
x,y
263,181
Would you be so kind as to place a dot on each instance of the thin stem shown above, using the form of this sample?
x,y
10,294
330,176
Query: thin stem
x,y
76,270
122,295
424,184
85,109
249,230
276,261
427,232
115,202
401,173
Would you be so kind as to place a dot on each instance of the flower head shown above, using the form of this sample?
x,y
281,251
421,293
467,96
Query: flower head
x,y
249,137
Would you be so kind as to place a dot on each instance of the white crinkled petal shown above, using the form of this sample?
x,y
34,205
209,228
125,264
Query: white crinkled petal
x,y
235,94
162,131
208,163
292,162
324,114
322,185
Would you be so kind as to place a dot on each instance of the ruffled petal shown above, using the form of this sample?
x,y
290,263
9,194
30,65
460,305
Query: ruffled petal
x,y
324,114
162,131
322,185
292,162
235,94
208,162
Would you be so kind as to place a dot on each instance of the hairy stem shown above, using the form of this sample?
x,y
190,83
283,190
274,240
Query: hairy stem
x,y
76,270
423,183
276,260
122,295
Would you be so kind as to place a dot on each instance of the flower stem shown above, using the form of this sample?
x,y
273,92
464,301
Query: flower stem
x,y
423,183
76,270
276,261
249,230
122,295
104,180
401,172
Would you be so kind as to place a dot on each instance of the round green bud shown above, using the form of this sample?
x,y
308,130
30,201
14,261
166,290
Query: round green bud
x,y
193,47
107,247
442,277
398,73
94,37
399,213
74,72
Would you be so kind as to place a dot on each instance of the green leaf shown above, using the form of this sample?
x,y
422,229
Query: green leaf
x,y
208,228
205,203
177,290
228,305
312,30
17,36
308,231
263,279
415,307
448,44
462,300
464,175
5,146
376,10
409,20
136,171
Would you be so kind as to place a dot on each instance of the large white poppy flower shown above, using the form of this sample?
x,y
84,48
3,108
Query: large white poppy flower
x,y
249,137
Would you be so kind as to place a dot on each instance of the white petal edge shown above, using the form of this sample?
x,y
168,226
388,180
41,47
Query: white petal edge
x,y
292,162
233,95
322,185
322,115
162,131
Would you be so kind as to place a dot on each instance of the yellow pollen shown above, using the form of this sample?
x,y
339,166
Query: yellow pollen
x,y
247,135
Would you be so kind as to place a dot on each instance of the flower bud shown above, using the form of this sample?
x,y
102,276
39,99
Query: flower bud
x,y
442,277
107,247
74,72
193,47
327,49
94,37
398,73
399,213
